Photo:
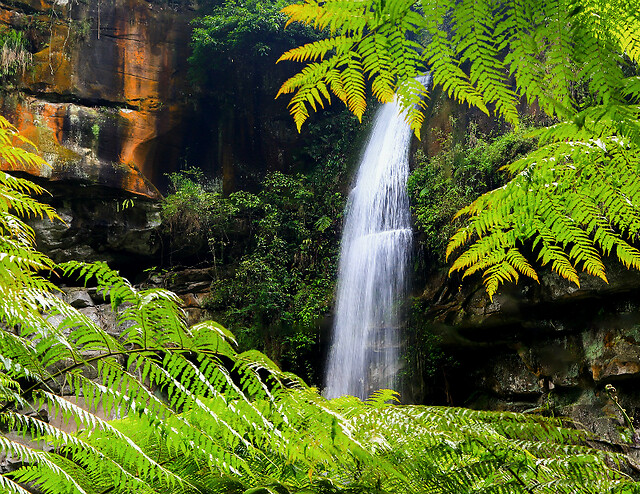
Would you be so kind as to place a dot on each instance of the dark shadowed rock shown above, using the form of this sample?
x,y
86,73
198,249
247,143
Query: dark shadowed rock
x,y
99,224
78,298
548,347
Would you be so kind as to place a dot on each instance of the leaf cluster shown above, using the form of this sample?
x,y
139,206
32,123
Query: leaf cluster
x,y
240,33
473,50
570,202
193,211
440,186
15,57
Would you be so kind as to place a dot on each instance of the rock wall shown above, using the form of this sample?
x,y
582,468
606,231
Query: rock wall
x,y
550,347
106,96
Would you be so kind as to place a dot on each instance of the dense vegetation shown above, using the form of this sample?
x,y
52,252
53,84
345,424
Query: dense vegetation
x,y
576,197
274,253
241,34
198,417
193,414
442,185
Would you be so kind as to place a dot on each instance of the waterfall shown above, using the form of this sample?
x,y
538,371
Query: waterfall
x,y
372,276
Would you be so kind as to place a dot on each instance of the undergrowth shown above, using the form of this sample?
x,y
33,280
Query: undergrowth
x,y
441,185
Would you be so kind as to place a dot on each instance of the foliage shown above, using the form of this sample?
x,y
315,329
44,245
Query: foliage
x,y
574,198
585,203
197,417
440,186
544,41
14,56
245,33
274,253
194,211
235,46
283,281
424,359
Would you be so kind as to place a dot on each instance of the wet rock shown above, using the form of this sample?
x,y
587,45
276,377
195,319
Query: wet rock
x,y
612,354
558,361
96,226
195,300
108,99
104,317
548,347
508,376
196,315
78,298
106,96
186,281
8,463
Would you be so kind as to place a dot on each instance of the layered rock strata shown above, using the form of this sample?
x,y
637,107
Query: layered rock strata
x,y
104,97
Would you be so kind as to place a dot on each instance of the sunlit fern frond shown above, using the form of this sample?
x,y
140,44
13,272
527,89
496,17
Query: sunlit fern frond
x,y
475,51
572,200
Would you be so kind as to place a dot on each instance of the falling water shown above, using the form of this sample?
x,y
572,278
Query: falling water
x,y
376,245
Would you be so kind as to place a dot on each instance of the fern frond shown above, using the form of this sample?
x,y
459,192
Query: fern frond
x,y
549,48
45,474
316,50
571,198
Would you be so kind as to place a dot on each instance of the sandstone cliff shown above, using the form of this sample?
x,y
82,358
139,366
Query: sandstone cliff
x,y
105,97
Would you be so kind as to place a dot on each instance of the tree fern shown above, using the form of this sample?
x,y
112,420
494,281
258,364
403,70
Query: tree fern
x,y
549,46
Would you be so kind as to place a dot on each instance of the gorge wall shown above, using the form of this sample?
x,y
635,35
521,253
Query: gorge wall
x,y
548,348
104,92
105,97
108,99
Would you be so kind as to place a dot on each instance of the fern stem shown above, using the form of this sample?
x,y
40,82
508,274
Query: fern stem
x,y
102,356
86,362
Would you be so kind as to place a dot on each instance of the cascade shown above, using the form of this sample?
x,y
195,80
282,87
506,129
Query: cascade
x,y
372,276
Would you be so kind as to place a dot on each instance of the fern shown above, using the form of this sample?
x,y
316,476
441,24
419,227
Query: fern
x,y
197,417
371,44
550,46
576,197
570,201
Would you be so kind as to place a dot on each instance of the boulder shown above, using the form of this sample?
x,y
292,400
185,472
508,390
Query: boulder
x,y
78,298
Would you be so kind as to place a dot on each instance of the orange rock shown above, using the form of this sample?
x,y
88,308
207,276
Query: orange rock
x,y
104,108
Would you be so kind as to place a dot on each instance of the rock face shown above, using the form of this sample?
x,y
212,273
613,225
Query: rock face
x,y
97,225
550,347
108,100
105,96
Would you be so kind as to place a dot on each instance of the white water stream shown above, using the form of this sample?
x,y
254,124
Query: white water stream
x,y
372,278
